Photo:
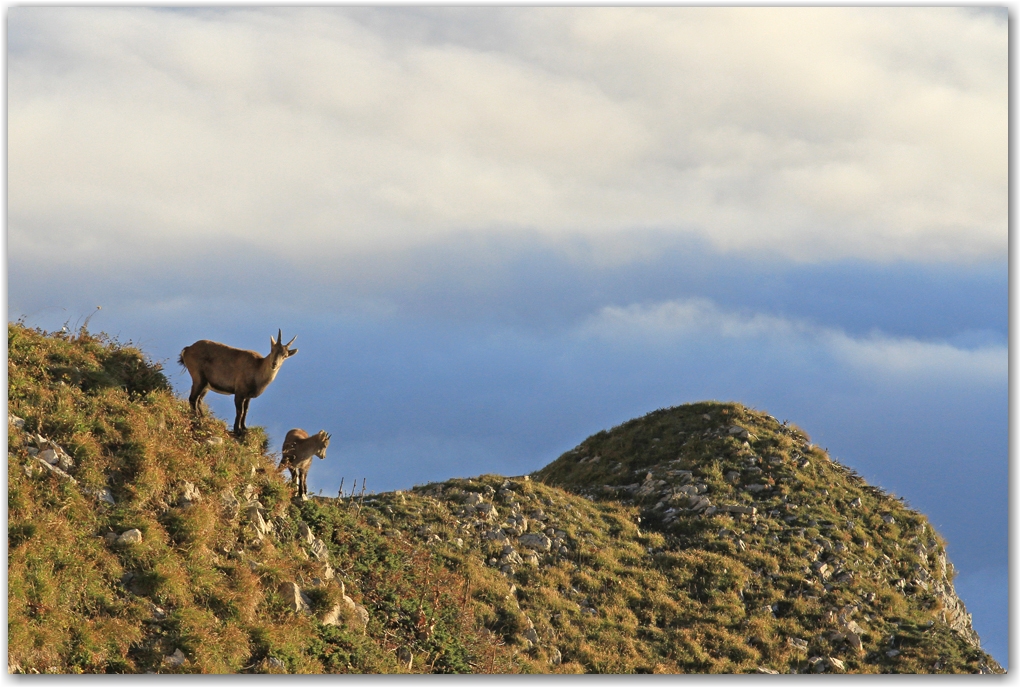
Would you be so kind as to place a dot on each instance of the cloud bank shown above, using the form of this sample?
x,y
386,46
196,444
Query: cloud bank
x,y
877,355
808,133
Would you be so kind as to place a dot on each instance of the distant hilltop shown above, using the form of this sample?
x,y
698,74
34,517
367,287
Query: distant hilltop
x,y
703,538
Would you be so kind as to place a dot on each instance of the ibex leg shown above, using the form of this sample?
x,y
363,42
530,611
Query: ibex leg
x,y
239,406
198,391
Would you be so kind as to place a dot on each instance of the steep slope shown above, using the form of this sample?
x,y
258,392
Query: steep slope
x,y
702,538
861,574
157,543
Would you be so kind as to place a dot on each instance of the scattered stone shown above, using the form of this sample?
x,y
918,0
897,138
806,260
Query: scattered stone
x,y
701,503
190,495
55,456
529,633
132,536
319,550
555,657
798,644
361,616
254,513
498,536
856,503
295,599
538,542
888,519
229,501
738,432
305,532
177,658
473,498
892,653
275,663
851,625
214,441
55,470
766,671
106,496
487,511
355,614
742,510
16,421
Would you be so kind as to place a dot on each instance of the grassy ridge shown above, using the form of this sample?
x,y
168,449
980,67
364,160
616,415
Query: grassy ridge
x,y
610,559
202,580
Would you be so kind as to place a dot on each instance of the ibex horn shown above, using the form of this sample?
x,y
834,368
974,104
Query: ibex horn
x,y
290,342
279,335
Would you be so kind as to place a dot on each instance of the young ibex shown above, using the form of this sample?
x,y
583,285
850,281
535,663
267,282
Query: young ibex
x,y
298,451
228,370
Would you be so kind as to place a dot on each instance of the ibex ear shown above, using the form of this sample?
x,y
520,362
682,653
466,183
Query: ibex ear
x,y
291,352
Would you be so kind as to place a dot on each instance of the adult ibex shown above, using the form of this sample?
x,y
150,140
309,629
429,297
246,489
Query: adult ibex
x,y
298,451
228,370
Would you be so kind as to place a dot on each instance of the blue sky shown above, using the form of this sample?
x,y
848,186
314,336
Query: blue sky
x,y
498,231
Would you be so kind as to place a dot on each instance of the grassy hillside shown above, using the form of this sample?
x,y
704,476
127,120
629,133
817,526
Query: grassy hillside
x,y
156,542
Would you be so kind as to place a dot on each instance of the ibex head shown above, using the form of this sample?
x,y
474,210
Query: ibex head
x,y
280,351
324,438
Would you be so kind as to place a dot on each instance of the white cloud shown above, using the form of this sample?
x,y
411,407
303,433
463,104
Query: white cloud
x,y
673,322
912,358
813,133
680,319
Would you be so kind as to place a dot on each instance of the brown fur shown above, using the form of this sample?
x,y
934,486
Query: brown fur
x,y
298,451
228,370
